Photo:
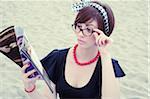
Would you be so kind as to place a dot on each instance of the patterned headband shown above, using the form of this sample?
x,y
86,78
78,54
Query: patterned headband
x,y
79,5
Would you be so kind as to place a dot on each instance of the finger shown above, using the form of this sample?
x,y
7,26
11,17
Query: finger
x,y
24,67
99,43
99,31
99,39
34,79
29,50
95,35
26,61
107,41
104,41
40,77
29,73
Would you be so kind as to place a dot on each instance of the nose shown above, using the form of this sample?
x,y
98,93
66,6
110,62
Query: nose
x,y
81,34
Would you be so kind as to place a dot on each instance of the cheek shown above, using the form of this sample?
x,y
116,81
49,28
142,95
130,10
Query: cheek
x,y
91,40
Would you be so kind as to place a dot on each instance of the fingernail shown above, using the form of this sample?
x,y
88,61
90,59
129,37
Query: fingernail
x,y
106,41
28,64
39,77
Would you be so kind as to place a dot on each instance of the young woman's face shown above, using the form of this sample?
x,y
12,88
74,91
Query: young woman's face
x,y
84,33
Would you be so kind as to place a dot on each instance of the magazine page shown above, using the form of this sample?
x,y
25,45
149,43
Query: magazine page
x,y
15,45
8,45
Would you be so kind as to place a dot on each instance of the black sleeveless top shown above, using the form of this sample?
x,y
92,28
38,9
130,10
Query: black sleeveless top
x,y
54,64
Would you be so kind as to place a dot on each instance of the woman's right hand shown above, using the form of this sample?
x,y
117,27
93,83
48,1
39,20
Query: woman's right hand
x,y
29,83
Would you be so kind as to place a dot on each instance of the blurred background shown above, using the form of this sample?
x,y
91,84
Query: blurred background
x,y
47,24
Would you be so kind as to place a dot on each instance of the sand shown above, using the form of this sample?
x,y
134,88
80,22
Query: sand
x,y
48,26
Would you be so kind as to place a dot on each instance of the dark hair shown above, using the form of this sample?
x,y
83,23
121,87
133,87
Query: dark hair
x,y
88,13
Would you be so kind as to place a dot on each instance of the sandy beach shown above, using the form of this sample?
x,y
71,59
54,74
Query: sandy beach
x,y
48,26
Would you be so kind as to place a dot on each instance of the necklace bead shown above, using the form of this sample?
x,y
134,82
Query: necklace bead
x,y
84,63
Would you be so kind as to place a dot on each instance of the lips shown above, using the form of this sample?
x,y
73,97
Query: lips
x,y
81,41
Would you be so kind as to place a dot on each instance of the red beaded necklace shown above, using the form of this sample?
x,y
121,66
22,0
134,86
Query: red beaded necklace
x,y
85,63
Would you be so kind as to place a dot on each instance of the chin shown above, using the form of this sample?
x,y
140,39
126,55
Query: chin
x,y
86,45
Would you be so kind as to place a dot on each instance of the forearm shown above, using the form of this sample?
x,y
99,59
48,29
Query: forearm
x,y
36,95
110,86
46,93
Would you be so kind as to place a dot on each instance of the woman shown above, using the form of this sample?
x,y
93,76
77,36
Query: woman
x,y
85,70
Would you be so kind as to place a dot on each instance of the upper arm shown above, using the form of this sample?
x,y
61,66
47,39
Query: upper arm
x,y
50,68
50,65
110,98
48,93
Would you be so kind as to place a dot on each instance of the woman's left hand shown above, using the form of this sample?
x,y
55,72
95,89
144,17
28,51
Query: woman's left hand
x,y
102,41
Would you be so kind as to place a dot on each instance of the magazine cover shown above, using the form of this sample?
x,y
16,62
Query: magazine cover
x,y
15,45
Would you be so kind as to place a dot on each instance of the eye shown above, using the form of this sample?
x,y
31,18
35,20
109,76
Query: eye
x,y
89,30
78,25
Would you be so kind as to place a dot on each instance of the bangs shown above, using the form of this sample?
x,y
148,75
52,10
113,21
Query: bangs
x,y
89,13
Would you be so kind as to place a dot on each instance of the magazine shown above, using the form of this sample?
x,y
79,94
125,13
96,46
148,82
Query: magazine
x,y
15,45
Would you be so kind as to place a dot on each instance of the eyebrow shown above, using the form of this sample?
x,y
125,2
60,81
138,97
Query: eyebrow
x,y
91,25
88,24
